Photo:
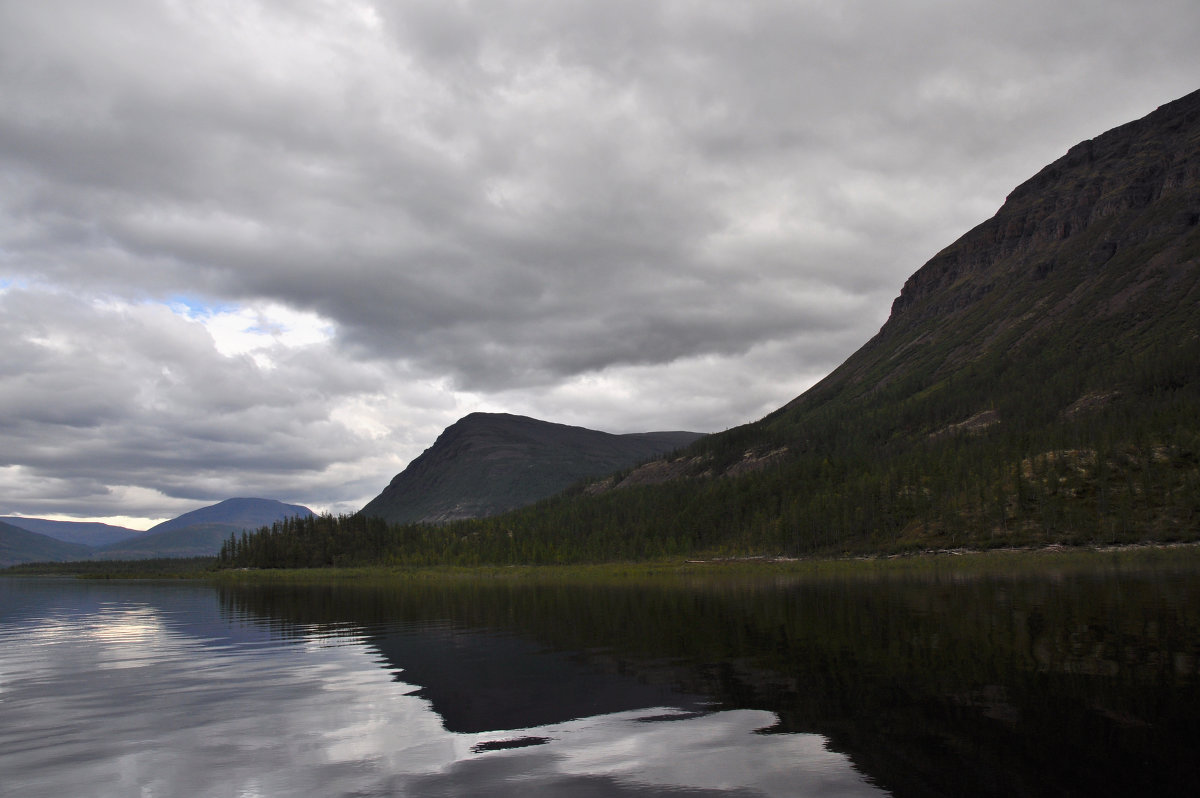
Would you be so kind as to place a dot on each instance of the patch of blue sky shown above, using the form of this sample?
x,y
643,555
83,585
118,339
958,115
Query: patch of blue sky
x,y
197,307
12,282
243,328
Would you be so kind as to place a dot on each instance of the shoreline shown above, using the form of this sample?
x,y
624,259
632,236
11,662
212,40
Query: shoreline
x,y
934,562
1007,560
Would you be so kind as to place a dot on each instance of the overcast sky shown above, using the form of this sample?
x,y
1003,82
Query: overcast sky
x,y
274,248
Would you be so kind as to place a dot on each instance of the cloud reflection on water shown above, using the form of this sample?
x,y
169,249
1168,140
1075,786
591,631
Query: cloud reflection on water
x,y
131,696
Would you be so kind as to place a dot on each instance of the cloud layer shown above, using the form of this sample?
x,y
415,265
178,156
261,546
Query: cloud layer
x,y
272,248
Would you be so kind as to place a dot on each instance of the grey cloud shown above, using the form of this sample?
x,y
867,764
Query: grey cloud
x,y
133,395
508,198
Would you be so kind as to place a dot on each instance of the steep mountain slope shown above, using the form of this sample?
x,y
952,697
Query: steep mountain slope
x,y
1037,379
487,463
1096,255
20,545
88,533
200,533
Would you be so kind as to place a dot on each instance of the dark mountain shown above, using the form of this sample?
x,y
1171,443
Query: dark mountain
x,y
200,533
487,463
1039,379
20,545
88,533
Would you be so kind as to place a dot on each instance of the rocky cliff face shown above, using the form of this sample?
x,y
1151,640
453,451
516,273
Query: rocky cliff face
x,y
1102,239
1105,197
490,462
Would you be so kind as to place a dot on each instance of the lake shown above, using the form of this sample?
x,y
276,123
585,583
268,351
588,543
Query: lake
x,y
1067,682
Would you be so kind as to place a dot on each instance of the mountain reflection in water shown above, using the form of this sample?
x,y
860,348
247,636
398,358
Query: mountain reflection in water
x,y
1081,684
1060,684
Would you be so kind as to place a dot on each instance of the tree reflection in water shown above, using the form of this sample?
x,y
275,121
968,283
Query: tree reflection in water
x,y
1076,684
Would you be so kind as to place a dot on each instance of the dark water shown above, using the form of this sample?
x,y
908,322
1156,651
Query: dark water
x,y
1060,684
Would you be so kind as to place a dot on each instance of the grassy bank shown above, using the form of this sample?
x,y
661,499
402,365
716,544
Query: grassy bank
x,y
165,568
930,563
926,563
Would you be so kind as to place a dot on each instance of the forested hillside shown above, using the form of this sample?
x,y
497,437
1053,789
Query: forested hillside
x,y
1038,381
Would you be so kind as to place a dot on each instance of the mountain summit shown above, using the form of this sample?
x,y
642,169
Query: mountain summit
x,y
240,513
486,463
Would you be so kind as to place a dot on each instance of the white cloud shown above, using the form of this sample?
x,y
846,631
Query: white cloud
x,y
259,330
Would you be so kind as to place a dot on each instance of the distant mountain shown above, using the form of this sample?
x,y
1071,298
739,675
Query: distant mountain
x,y
88,533
20,545
240,513
197,540
487,463
200,533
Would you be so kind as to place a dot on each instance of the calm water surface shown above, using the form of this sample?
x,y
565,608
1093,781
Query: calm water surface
x,y
1064,684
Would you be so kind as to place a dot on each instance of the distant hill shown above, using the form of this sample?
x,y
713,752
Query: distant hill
x,y
195,540
88,533
20,545
487,463
200,533
240,513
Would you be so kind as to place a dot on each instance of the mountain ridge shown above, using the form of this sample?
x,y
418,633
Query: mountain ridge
x,y
486,463
201,532
197,533
88,533
1017,245
19,546
244,513
1040,211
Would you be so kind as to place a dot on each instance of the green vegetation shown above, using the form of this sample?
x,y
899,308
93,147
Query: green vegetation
x,y
1037,383
957,564
870,482
164,568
